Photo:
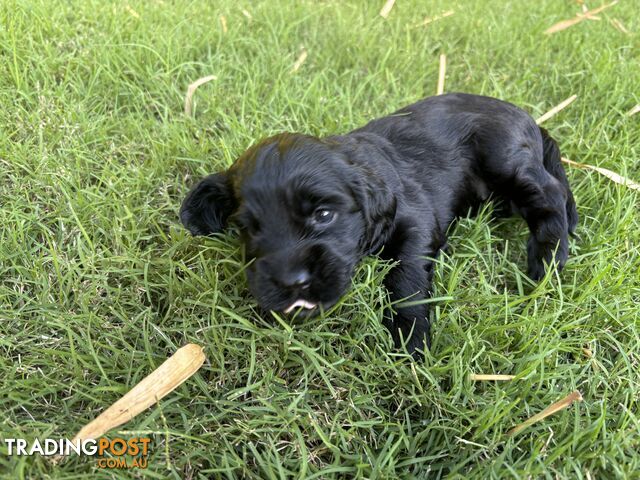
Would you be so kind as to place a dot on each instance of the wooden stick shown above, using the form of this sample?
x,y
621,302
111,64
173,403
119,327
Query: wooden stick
x,y
441,73
188,100
479,377
550,410
556,109
162,381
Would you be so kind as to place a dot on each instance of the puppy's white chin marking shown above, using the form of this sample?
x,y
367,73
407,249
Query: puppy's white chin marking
x,y
300,303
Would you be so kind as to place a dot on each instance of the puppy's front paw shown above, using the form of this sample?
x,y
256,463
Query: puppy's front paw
x,y
412,331
539,254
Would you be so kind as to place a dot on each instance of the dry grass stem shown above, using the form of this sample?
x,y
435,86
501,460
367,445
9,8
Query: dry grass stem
x,y
580,17
429,20
131,11
188,99
607,173
223,24
386,9
634,110
441,74
300,61
469,442
550,410
480,377
619,26
556,109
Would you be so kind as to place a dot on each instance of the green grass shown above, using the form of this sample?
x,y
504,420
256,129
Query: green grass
x,y
99,283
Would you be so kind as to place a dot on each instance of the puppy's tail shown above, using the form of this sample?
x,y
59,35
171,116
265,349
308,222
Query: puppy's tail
x,y
553,165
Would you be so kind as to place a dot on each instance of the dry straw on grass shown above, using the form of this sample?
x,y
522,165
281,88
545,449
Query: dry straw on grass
x,y
131,11
634,110
188,99
602,171
386,8
580,17
550,410
561,106
442,71
607,173
429,20
480,377
300,61
617,24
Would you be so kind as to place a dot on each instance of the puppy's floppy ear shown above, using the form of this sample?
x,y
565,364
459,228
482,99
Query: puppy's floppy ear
x,y
379,211
374,182
208,205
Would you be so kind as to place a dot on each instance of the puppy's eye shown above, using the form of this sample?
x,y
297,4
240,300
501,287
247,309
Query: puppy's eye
x,y
323,216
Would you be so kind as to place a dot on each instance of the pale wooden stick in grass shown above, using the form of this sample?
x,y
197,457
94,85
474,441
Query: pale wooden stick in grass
x,y
223,24
300,61
188,99
580,17
550,410
441,73
162,381
386,8
479,377
556,109
429,20
607,173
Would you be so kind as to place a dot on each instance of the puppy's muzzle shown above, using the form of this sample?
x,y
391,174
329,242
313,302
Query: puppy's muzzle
x,y
305,278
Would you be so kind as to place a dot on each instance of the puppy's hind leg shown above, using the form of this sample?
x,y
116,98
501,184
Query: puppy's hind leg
x,y
543,207
553,165
541,198
525,169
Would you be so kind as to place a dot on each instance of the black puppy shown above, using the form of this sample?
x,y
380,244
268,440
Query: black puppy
x,y
309,209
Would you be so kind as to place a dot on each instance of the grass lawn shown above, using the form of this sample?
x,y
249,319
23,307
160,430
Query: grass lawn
x,y
99,283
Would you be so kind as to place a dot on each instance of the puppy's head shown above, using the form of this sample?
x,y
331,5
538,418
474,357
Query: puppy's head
x,y
308,210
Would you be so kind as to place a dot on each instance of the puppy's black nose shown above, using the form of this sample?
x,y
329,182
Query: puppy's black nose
x,y
296,279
